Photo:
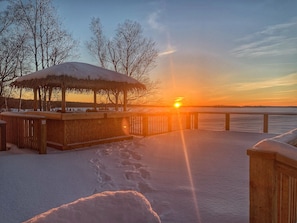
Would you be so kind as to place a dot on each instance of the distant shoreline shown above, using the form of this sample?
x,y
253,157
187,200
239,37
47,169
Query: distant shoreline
x,y
218,106
28,103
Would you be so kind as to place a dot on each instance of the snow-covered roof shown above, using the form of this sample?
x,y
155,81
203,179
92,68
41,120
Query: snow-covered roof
x,y
77,75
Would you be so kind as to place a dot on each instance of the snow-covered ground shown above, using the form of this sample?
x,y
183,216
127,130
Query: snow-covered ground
x,y
189,176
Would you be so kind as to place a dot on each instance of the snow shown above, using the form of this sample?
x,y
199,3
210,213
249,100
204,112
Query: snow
x,y
284,144
78,70
188,176
111,207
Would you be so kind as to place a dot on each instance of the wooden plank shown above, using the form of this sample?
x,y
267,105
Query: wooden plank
x,y
227,121
42,144
3,135
265,123
262,187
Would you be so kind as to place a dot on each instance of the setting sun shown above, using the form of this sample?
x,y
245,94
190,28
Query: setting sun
x,y
177,104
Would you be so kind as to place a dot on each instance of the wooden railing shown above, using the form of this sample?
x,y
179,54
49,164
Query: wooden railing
x,y
273,182
150,124
3,135
30,130
26,131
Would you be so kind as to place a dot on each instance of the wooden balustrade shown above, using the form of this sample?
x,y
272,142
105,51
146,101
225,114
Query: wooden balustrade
x,y
273,182
26,131
3,135
64,129
146,124
73,130
156,123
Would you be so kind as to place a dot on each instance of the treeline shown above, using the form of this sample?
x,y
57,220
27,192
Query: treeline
x,y
13,103
32,38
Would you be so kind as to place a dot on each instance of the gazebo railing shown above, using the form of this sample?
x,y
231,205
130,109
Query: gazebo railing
x,y
26,131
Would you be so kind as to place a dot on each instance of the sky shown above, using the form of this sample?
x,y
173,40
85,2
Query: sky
x,y
233,52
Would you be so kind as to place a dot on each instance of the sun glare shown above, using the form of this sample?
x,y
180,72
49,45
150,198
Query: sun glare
x,y
178,102
189,170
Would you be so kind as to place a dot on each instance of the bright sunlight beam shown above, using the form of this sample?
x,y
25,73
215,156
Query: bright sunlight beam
x,y
185,150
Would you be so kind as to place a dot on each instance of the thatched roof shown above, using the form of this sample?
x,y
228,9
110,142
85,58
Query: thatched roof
x,y
75,75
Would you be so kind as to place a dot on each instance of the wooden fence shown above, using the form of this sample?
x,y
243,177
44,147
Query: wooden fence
x,y
151,124
146,124
30,131
3,135
273,186
26,131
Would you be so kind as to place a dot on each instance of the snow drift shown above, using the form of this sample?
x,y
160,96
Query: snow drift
x,y
111,207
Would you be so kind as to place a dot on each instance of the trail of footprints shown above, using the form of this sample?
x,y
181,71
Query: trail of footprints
x,y
128,160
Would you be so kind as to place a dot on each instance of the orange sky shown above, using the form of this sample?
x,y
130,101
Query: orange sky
x,y
225,84
211,52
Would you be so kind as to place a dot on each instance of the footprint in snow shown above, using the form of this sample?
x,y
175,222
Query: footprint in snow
x,y
103,178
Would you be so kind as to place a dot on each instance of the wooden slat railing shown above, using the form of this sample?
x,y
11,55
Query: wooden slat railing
x,y
3,135
30,130
26,131
146,124
157,123
273,181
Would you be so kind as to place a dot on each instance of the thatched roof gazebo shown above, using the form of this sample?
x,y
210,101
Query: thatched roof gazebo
x,y
77,76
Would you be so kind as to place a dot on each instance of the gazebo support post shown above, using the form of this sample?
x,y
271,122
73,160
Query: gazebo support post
x,y
63,98
50,91
44,106
40,99
125,99
95,100
35,99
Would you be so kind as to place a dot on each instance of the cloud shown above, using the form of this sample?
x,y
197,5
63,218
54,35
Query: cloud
x,y
153,21
276,40
287,80
167,52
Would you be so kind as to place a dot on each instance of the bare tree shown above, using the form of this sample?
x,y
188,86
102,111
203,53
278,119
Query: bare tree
x,y
129,52
49,44
137,54
98,43
12,52
6,19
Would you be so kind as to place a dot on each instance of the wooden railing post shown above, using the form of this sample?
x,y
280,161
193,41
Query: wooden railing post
x,y
42,142
188,121
195,120
169,117
3,135
265,123
20,127
227,121
262,187
145,125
